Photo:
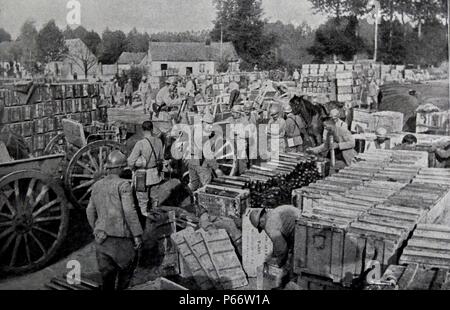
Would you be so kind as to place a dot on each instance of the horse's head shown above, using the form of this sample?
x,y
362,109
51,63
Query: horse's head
x,y
295,104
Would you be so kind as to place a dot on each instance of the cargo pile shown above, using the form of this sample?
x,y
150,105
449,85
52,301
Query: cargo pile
x,y
37,116
413,277
364,213
428,247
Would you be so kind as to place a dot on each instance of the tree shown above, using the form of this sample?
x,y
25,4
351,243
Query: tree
x,y
90,38
241,22
340,8
112,46
135,74
292,43
137,42
82,56
337,38
4,35
51,43
187,36
27,41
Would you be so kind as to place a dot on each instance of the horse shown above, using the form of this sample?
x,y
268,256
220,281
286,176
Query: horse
x,y
312,115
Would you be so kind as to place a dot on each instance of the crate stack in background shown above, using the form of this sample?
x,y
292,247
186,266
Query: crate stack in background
x,y
318,80
37,116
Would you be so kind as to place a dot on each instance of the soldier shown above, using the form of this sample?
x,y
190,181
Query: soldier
x,y
201,167
295,131
145,94
114,220
274,132
147,157
279,224
165,99
343,145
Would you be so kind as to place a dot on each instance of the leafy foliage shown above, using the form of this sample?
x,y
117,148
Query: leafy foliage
x,y
241,22
137,42
113,45
51,43
338,38
135,74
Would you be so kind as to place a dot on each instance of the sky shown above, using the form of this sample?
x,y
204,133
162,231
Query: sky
x,y
145,15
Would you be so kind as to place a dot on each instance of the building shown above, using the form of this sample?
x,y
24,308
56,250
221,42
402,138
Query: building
x,y
78,63
190,58
128,60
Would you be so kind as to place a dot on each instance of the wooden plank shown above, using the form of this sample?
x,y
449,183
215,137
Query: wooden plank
x,y
407,276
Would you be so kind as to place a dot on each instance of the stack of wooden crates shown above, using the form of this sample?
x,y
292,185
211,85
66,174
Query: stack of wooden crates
x,y
37,115
363,214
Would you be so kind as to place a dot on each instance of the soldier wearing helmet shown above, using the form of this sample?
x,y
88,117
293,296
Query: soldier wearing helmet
x,y
279,224
118,233
147,155
276,127
198,150
343,142
164,99
296,134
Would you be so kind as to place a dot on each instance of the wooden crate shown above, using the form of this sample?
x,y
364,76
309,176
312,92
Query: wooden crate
x,y
221,205
413,277
366,242
256,247
210,258
160,284
429,246
314,283
319,246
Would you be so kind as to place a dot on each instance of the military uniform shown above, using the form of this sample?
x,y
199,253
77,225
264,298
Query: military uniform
x,y
280,227
295,133
151,149
145,94
201,169
164,98
112,216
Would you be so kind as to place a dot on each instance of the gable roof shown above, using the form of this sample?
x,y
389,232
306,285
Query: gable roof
x,y
191,51
76,45
127,58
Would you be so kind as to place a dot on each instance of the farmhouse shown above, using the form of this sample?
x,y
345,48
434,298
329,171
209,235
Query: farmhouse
x,y
186,58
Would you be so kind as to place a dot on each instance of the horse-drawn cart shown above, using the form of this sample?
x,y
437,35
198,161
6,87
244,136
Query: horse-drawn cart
x,y
34,213
37,193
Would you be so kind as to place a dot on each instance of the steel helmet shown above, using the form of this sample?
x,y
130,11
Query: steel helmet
x,y
255,217
248,105
237,109
208,118
381,132
116,159
288,108
335,113
274,109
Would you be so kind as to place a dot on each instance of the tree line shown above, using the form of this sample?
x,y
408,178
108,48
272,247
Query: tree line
x,y
410,32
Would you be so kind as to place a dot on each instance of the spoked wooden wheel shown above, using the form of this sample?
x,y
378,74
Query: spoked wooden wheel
x,y
57,145
87,167
33,221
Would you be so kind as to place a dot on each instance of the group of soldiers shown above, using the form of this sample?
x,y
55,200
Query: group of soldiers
x,y
119,225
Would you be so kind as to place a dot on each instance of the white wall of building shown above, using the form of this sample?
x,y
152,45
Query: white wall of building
x,y
198,68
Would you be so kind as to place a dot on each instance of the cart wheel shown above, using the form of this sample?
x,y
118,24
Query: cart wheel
x,y
56,145
33,221
226,157
87,167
